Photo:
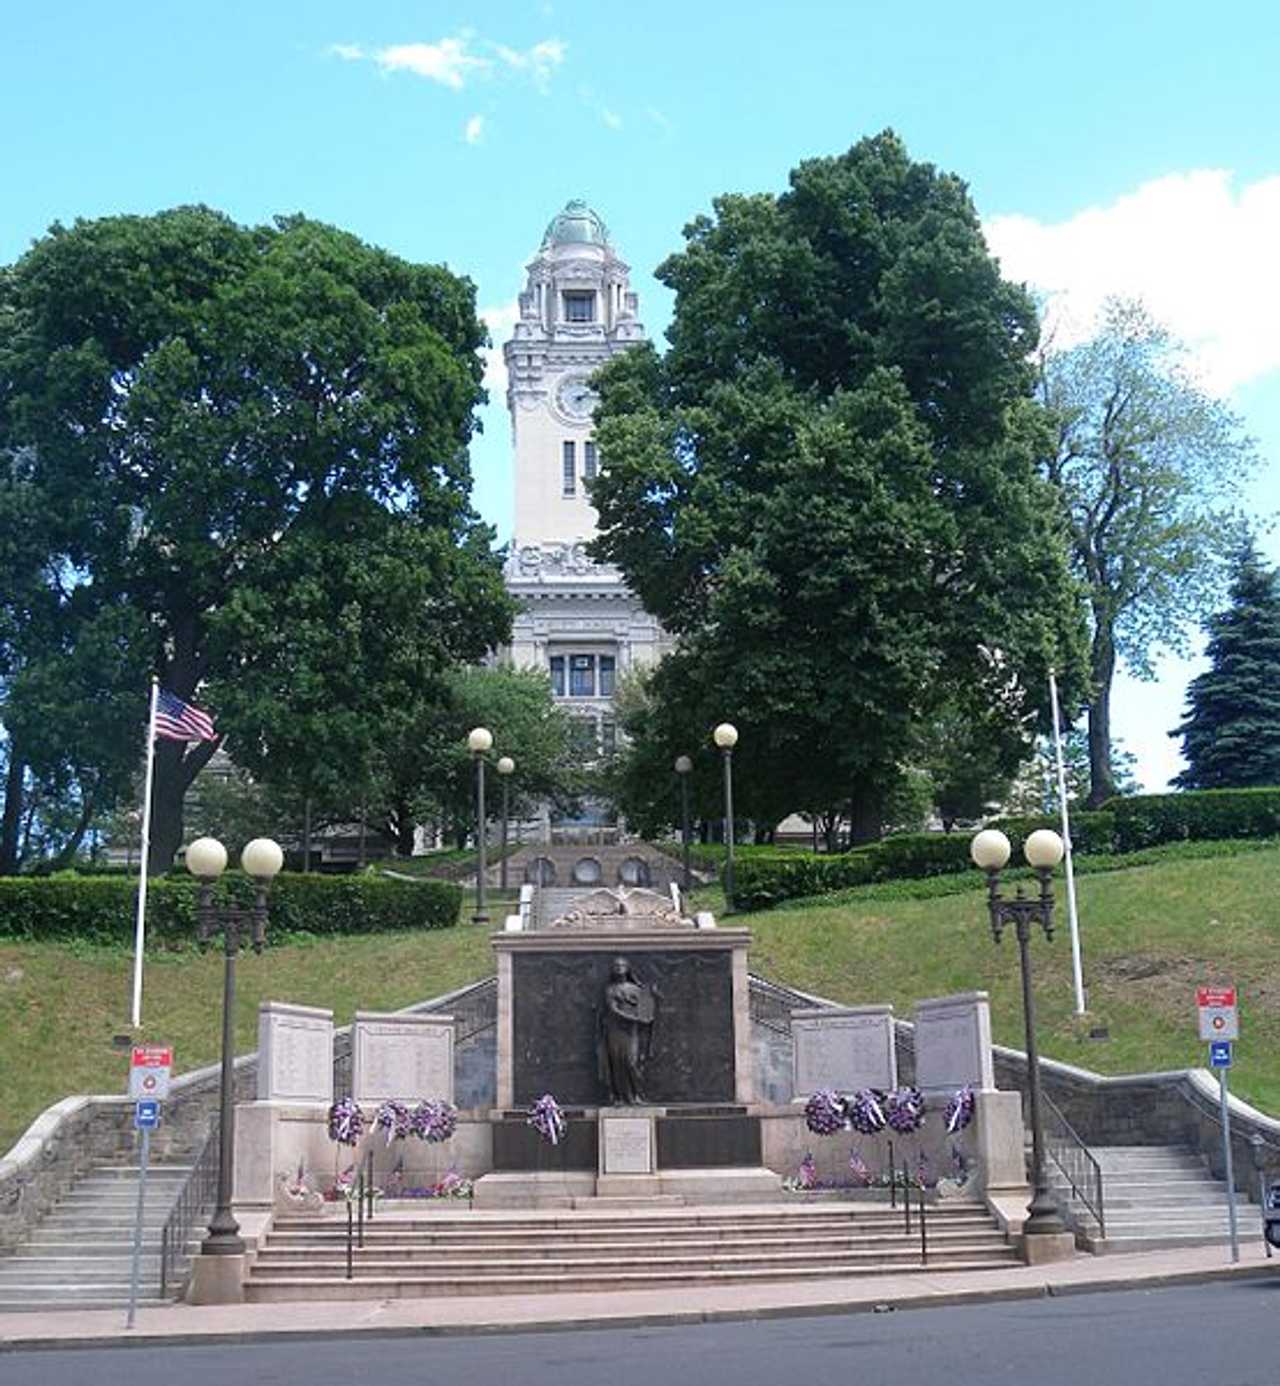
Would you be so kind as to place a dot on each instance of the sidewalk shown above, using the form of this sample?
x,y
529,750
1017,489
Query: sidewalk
x,y
186,1324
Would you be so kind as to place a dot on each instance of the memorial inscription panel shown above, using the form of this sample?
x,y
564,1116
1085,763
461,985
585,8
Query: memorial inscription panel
x,y
409,1058
843,1049
295,1053
626,1145
953,1043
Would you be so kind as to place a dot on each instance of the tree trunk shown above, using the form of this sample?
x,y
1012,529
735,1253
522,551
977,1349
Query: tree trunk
x,y
174,773
403,822
1102,667
68,853
865,817
11,821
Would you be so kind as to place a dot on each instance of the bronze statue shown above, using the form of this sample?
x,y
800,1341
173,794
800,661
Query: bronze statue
x,y
625,1033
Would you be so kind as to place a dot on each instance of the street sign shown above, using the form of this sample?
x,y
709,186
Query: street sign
x,y
1216,1008
1219,1053
146,1114
149,1069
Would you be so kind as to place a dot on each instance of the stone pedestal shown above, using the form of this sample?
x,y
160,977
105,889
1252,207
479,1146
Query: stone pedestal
x,y
1000,1140
217,1279
628,1150
844,1048
1049,1246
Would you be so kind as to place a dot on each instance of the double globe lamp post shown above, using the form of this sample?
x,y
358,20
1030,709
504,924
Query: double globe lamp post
x,y
684,767
505,768
206,860
1043,850
479,743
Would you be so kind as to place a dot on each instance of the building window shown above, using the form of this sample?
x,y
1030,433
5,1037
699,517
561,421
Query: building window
x,y
608,736
583,675
589,461
582,736
579,305
569,469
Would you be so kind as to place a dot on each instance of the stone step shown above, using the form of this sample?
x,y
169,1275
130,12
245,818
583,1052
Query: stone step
x,y
605,1264
383,1234
386,1287
535,1251
44,1270
1114,1245
10,1304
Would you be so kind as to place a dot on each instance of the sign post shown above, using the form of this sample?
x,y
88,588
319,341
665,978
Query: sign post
x,y
1219,1027
149,1069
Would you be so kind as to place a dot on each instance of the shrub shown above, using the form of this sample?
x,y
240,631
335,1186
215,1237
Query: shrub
x,y
764,879
1144,820
101,909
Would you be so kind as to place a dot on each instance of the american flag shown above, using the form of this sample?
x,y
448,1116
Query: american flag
x,y
179,721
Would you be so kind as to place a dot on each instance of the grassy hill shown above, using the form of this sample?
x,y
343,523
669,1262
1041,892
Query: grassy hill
x,y
1150,935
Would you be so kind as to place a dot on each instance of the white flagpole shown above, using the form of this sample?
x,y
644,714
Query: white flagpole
x,y
1073,919
140,925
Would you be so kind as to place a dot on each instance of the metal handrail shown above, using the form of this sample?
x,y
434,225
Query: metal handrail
x,y
1075,1160
197,1195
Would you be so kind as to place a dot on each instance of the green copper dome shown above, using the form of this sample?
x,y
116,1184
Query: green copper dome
x,y
576,225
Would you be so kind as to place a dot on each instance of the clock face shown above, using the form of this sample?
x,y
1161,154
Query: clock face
x,y
576,398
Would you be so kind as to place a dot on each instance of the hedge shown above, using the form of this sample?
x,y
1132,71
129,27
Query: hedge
x,y
1145,820
101,908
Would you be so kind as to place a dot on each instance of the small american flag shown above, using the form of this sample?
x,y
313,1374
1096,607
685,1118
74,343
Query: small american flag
x,y
179,721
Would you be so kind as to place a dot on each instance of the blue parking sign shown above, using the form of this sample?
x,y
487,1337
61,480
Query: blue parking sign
x,y
146,1114
1220,1054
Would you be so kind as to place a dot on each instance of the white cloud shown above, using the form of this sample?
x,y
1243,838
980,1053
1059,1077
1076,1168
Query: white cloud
x,y
452,62
1195,247
611,118
446,62
473,131
540,61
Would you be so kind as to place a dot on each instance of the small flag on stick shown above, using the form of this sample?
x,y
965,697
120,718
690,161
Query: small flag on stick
x,y
179,721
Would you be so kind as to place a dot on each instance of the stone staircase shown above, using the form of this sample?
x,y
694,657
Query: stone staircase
x,y
80,1255
416,1254
1158,1198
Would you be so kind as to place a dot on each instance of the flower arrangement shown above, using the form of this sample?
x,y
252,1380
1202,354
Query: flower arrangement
x,y
434,1121
865,1111
547,1119
393,1118
959,1110
904,1110
346,1122
808,1171
824,1113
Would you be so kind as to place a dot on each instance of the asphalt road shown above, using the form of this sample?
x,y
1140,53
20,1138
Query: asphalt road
x,y
1214,1335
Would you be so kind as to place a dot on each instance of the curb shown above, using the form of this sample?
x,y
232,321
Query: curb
x,y
656,1319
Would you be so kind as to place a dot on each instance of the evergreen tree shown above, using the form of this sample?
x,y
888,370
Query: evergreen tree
x,y
1231,731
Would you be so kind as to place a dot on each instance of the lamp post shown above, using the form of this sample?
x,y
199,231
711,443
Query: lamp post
x,y
206,860
683,766
505,767
726,737
479,740
1043,851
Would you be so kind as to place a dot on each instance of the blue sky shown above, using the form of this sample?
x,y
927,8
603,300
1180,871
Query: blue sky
x,y
1119,147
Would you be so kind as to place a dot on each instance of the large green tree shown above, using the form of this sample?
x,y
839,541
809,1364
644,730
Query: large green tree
x,y
826,489
1148,466
1231,731
211,407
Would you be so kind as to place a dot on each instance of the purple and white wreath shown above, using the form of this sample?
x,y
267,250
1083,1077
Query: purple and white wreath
x,y
904,1109
547,1119
346,1122
393,1118
865,1111
959,1110
434,1121
824,1112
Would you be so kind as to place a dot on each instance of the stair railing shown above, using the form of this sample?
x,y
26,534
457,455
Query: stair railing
x,y
1074,1160
197,1196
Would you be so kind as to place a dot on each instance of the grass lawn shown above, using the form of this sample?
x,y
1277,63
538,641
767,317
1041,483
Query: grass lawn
x,y
1150,934
60,1004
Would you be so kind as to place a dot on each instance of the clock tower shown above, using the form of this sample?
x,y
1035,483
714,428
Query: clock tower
x,y
578,621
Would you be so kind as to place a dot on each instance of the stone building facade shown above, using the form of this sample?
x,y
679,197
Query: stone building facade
x,y
578,621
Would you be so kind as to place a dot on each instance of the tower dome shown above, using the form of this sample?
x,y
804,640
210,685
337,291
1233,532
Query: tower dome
x,y
576,225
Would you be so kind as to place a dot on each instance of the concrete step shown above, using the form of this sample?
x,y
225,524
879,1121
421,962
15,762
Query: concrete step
x,y
1116,1245
39,1304
316,1288
46,1270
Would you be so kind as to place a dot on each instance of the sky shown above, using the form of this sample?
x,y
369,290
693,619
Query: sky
x,y
1115,147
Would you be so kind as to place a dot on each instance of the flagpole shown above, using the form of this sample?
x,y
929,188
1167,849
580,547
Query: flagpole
x,y
1073,919
140,924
